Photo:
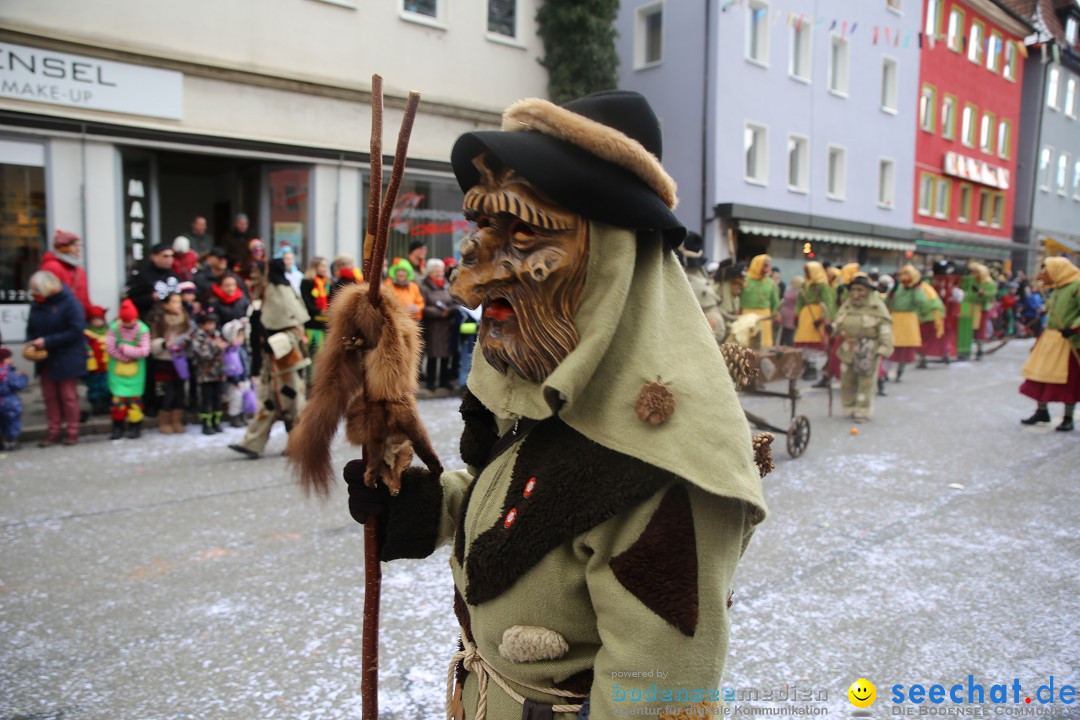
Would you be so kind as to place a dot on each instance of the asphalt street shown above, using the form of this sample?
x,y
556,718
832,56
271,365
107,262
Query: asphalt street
x,y
171,578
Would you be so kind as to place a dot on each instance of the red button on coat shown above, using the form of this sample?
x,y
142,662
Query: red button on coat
x,y
510,517
530,486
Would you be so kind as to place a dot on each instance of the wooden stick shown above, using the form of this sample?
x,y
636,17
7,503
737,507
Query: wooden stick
x,y
369,652
392,189
375,184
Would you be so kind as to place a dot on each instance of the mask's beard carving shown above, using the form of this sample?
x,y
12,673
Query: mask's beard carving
x,y
526,264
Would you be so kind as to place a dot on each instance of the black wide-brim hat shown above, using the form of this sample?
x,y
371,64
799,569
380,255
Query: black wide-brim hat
x,y
598,156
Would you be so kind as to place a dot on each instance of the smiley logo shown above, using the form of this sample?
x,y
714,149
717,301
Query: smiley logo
x,y
862,693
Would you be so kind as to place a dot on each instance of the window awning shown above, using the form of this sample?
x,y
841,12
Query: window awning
x,y
1062,245
811,235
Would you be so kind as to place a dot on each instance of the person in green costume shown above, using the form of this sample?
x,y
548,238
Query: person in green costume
x,y
760,296
127,343
592,540
981,300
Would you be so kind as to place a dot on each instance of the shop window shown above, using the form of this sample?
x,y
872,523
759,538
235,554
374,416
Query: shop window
x,y
1052,88
649,36
986,133
801,49
1004,143
948,117
755,150
976,41
757,31
993,52
22,226
985,210
963,213
429,12
926,194
427,209
954,39
942,193
888,84
289,208
838,65
837,189
886,183
967,125
1044,167
502,18
798,163
927,103
934,8
1009,71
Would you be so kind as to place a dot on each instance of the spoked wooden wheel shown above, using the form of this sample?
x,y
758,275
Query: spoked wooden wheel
x,y
798,435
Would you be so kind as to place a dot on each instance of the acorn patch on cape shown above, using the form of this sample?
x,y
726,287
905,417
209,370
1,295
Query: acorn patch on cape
x,y
655,403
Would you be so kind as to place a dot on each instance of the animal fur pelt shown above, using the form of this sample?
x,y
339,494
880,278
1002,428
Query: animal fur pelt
x,y
366,372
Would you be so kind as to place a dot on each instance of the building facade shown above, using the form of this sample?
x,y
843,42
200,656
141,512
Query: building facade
x,y
1047,219
788,133
123,121
970,84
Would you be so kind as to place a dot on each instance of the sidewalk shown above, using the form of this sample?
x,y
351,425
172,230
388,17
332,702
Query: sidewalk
x,y
35,428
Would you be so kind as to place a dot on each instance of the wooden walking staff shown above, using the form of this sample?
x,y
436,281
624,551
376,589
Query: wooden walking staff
x,y
378,228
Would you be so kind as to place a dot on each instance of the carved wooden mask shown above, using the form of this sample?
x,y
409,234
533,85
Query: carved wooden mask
x,y
526,264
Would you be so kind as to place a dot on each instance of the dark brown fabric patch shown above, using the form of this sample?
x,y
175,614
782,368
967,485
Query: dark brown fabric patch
x,y
579,484
480,434
660,569
461,610
288,392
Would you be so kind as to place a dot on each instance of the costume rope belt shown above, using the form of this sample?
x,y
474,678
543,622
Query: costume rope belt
x,y
474,662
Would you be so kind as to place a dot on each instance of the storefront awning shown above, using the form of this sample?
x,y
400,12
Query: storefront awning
x,y
812,235
1061,245
969,245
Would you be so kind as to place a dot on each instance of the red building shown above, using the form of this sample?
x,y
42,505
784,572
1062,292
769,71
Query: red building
x,y
970,75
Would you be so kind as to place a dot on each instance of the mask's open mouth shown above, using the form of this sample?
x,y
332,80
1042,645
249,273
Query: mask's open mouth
x,y
498,309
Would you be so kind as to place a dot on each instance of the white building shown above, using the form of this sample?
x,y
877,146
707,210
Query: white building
x,y
122,121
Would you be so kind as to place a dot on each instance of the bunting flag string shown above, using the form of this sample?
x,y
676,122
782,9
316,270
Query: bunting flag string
x,y
885,35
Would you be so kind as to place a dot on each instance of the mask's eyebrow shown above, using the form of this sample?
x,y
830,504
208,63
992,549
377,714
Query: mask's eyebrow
x,y
507,201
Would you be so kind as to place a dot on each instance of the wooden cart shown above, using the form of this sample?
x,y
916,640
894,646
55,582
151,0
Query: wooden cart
x,y
777,364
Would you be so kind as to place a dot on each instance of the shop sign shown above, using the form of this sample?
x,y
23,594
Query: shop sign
x,y
58,78
979,171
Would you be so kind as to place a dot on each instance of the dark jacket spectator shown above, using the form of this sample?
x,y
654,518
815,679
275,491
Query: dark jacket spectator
x,y
228,300
65,262
439,319
154,280
56,325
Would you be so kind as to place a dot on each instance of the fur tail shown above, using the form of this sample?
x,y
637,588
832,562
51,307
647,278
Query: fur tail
x,y
338,376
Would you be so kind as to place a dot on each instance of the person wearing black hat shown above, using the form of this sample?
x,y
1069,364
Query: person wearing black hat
x,y
153,281
863,327
417,257
208,351
588,531
728,282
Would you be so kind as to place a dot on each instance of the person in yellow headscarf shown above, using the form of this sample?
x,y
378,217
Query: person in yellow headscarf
x,y
982,298
815,307
910,305
760,296
1052,371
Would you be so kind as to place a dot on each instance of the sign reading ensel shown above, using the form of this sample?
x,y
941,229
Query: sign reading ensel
x,y
61,79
